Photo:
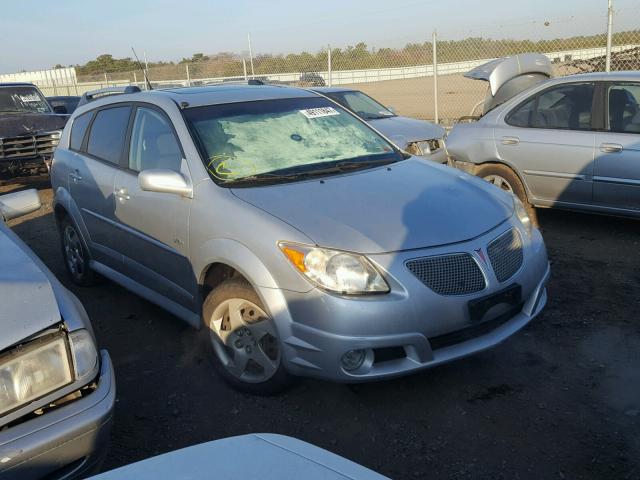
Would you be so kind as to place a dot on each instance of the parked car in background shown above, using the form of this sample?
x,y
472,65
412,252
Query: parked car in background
x,y
311,79
64,104
29,130
304,242
569,142
57,392
418,137
273,457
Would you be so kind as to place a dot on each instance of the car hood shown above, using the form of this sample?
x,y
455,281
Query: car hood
x,y
411,129
18,124
273,457
27,301
412,204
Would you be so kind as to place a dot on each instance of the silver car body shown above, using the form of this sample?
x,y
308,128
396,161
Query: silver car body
x,y
70,439
272,457
162,246
591,168
403,131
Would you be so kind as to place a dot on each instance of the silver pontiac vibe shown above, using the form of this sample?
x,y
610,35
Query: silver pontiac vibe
x,y
301,240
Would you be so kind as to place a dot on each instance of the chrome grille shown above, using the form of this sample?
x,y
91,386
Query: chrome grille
x,y
505,253
454,274
29,146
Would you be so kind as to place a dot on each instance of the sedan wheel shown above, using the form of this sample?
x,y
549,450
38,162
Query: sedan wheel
x,y
499,182
244,340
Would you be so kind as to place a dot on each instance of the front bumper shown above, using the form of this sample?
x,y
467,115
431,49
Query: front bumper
x,y
409,329
66,443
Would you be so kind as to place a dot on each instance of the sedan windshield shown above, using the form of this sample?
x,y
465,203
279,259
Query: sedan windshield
x,y
22,100
284,139
363,105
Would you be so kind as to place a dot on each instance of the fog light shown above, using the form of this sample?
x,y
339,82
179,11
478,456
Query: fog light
x,y
353,359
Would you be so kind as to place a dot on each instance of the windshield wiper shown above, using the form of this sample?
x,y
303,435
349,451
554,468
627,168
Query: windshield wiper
x,y
336,168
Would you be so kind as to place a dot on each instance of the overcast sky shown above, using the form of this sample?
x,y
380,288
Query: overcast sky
x,y
37,34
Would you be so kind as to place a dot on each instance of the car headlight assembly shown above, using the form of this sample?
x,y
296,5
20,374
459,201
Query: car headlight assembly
x,y
44,365
522,215
336,271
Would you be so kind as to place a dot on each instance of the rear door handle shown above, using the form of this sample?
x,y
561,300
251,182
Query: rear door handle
x,y
75,176
610,147
121,194
510,140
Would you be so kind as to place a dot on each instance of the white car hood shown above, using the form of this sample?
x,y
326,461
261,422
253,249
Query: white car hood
x,y
27,301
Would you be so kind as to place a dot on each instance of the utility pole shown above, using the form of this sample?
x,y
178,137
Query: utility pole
x,y
609,33
329,67
250,55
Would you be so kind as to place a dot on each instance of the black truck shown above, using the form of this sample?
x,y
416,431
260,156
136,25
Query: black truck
x,y
29,131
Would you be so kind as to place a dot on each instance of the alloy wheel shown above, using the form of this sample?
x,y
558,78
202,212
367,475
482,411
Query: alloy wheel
x,y
73,252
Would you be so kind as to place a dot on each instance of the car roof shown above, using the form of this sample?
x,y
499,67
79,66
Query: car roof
x,y
599,77
17,84
220,94
333,89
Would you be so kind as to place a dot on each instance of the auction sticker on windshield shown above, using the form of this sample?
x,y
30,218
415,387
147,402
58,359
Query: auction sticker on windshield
x,y
319,112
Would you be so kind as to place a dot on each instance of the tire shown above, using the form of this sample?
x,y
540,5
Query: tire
x,y
506,179
243,340
75,255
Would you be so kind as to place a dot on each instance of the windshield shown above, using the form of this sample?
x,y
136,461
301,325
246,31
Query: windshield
x,y
22,100
363,105
294,136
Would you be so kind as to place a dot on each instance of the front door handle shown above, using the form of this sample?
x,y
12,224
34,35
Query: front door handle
x,y
510,140
121,194
75,176
610,147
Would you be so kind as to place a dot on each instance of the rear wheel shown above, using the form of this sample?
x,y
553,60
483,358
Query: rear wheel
x,y
76,257
506,179
243,339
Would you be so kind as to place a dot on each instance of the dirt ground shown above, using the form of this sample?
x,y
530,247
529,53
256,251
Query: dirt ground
x,y
413,97
560,400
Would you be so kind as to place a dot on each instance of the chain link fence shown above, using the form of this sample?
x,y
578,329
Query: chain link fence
x,y
403,77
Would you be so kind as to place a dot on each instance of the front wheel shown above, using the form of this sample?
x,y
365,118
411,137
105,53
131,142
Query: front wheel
x,y
506,179
243,339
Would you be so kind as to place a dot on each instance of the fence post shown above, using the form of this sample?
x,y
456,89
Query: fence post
x,y
434,42
329,68
609,33
188,76
135,78
106,80
244,68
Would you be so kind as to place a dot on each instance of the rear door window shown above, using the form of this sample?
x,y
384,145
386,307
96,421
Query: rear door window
x,y
565,107
108,132
624,109
78,130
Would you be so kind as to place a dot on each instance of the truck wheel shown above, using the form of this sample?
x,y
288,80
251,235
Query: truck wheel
x,y
506,179
243,338
76,257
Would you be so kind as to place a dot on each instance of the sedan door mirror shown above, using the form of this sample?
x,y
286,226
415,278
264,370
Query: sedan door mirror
x,y
14,205
164,181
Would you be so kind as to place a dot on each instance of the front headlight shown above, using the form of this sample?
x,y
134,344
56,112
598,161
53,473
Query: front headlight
x,y
44,365
523,216
336,271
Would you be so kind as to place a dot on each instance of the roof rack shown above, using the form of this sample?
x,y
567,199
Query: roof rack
x,y
251,81
105,92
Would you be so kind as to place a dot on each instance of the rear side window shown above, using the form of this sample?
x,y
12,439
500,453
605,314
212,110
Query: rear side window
x,y
624,108
78,129
108,132
565,107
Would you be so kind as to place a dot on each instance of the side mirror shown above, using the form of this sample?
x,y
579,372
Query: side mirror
x,y
14,205
60,109
392,110
164,181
